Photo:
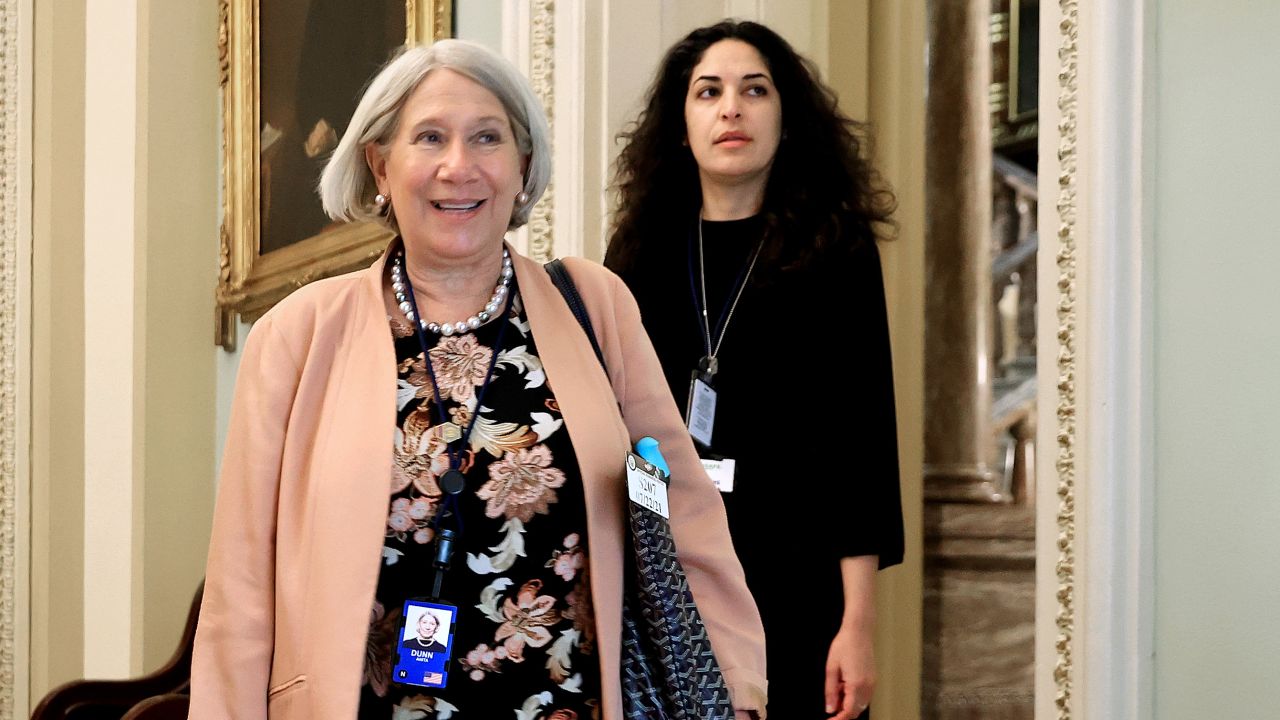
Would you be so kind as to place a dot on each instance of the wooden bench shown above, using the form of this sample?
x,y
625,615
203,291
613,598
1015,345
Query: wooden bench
x,y
161,695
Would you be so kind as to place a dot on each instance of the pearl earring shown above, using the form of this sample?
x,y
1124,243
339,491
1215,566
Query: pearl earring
x,y
381,203
522,198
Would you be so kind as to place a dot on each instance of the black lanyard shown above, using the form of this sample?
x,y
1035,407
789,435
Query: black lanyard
x,y
452,482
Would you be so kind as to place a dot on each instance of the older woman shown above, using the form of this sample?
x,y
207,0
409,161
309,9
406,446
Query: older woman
x,y
746,227
435,431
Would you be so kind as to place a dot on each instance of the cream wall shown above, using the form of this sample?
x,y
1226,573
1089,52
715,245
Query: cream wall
x,y
124,261
1215,248
480,21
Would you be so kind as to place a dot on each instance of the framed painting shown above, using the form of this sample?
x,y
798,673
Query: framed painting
x,y
291,74
1015,74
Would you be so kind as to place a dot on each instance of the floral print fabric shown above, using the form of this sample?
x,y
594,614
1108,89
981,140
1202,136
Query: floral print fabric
x,y
524,640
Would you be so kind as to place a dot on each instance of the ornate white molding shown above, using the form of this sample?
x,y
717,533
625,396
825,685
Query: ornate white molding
x,y
542,65
1066,406
10,222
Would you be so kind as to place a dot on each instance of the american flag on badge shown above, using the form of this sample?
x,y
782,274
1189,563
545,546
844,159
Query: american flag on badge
x,y
433,677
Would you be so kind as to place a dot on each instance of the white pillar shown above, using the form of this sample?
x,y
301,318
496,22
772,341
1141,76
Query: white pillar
x,y
112,336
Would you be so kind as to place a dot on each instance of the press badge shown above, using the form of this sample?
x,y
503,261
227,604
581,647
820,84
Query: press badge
x,y
645,486
424,644
721,473
702,410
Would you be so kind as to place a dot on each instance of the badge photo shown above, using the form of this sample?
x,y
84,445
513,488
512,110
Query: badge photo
x,y
424,644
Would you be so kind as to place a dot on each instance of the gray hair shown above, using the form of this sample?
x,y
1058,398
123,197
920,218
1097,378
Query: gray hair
x,y
347,184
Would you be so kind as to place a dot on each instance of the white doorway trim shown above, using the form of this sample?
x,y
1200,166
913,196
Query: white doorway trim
x,y
1094,527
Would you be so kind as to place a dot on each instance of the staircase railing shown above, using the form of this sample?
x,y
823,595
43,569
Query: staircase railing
x,y
1015,243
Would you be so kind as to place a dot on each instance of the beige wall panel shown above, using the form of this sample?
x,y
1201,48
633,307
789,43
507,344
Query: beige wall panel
x,y
57,427
181,229
596,151
848,39
895,95
875,55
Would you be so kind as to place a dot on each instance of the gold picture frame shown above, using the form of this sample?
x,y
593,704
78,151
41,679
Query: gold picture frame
x,y
251,281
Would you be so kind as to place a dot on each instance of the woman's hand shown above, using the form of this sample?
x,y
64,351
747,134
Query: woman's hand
x,y
851,665
743,715
851,671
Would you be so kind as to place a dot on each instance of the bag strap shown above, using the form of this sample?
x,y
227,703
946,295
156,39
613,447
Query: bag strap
x,y
564,283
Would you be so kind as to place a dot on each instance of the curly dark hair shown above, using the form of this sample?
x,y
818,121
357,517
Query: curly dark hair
x,y
822,197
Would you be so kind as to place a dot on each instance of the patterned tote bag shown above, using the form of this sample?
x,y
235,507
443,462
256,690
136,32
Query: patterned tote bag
x,y
668,669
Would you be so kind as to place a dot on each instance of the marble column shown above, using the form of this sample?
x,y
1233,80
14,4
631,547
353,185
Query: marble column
x,y
958,311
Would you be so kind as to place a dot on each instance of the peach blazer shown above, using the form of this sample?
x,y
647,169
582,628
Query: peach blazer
x,y
302,502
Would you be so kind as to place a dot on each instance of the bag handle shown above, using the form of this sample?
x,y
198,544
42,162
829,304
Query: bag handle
x,y
564,283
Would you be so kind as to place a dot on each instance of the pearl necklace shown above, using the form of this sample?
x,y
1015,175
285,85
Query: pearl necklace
x,y
462,326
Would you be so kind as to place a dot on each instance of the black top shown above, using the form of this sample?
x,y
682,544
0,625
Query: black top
x,y
525,632
416,643
805,407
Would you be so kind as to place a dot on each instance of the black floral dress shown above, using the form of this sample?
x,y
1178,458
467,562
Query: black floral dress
x,y
524,638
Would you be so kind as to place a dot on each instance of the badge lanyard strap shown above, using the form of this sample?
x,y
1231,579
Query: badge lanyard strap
x,y
731,303
445,537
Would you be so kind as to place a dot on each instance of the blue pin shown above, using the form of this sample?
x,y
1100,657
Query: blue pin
x,y
647,448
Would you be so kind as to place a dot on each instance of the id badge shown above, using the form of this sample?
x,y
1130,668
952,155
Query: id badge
x,y
720,471
645,486
702,410
424,644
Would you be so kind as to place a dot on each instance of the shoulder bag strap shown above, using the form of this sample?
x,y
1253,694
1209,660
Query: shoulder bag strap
x,y
560,276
